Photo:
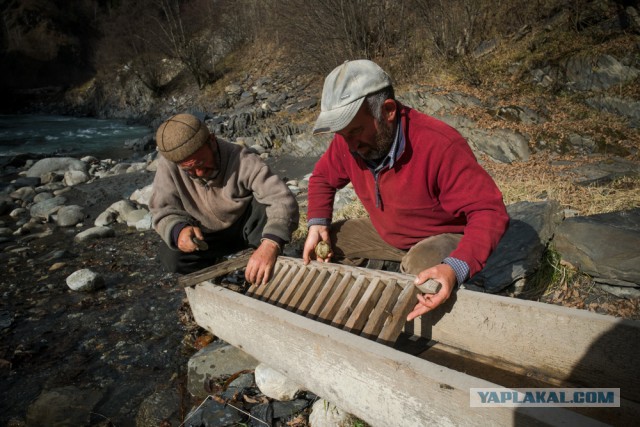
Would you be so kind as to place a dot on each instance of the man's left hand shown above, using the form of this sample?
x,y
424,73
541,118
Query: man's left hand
x,y
444,274
260,265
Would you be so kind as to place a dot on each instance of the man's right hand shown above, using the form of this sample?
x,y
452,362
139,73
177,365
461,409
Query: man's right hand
x,y
185,238
315,235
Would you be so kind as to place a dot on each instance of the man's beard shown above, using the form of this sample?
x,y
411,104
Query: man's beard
x,y
384,140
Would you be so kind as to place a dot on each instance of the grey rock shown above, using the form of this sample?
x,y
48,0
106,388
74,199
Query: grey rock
x,y
72,178
94,233
604,246
519,253
90,160
18,212
233,90
501,145
41,197
136,167
604,172
64,406
106,218
25,194
289,408
274,384
118,211
68,216
51,186
119,169
302,105
85,280
142,195
244,102
134,216
516,114
46,208
326,414
582,144
629,108
160,406
25,181
145,223
215,360
56,164
213,414
621,291
586,73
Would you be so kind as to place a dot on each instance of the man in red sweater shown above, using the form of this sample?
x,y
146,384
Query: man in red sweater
x,y
431,206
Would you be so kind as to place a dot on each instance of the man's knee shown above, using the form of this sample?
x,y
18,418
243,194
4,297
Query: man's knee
x,y
429,252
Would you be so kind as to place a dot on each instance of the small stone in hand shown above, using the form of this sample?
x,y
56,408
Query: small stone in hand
x,y
322,249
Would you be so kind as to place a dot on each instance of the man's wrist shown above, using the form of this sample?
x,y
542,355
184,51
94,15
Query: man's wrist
x,y
460,268
273,243
318,221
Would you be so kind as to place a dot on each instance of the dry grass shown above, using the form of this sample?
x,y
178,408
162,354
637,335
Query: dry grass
x,y
538,179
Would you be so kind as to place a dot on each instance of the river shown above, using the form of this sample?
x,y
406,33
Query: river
x,y
65,135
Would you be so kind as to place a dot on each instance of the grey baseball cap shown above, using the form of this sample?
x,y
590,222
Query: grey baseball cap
x,y
344,91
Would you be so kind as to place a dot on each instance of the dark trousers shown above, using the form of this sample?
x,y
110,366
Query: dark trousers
x,y
244,233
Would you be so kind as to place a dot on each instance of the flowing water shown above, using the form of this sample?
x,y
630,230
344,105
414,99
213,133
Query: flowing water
x,y
66,135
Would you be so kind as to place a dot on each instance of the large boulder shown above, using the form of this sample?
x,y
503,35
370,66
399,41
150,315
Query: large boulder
x,y
519,253
604,246
59,165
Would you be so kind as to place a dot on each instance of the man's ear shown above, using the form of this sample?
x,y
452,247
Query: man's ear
x,y
389,110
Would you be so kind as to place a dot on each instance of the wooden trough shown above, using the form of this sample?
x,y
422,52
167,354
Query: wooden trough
x,y
340,332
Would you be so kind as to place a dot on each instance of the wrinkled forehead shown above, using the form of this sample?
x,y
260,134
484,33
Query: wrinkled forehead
x,y
203,153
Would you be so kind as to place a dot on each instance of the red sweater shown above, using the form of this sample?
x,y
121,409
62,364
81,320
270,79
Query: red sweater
x,y
435,186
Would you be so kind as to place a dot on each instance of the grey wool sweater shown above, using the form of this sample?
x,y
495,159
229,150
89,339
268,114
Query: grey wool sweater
x,y
217,203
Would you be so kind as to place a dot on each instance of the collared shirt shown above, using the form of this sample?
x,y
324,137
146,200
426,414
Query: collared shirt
x,y
396,149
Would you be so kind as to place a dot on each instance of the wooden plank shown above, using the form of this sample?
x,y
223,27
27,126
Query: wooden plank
x,y
285,282
273,283
380,385
332,305
294,285
394,323
571,345
301,291
217,270
306,303
360,314
382,310
324,295
350,301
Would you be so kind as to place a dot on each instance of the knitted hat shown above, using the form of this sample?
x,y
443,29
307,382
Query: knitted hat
x,y
180,136
344,91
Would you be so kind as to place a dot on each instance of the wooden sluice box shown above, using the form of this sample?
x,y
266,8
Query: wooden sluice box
x,y
334,330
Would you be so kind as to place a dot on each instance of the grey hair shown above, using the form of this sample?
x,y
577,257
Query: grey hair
x,y
375,100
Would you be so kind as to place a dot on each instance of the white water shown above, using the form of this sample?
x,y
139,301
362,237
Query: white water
x,y
63,135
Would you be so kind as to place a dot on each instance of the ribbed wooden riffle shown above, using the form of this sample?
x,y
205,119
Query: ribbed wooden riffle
x,y
370,303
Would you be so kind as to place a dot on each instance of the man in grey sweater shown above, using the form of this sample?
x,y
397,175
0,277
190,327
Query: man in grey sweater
x,y
212,198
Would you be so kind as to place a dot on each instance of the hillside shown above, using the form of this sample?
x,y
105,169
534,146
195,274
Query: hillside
x,y
558,80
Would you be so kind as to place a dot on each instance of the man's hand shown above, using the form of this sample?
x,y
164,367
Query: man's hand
x,y
185,238
260,265
444,274
316,234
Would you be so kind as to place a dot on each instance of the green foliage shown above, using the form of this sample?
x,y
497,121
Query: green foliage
x,y
551,275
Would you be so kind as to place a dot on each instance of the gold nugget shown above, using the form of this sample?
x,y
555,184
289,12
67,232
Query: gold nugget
x,y
322,249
